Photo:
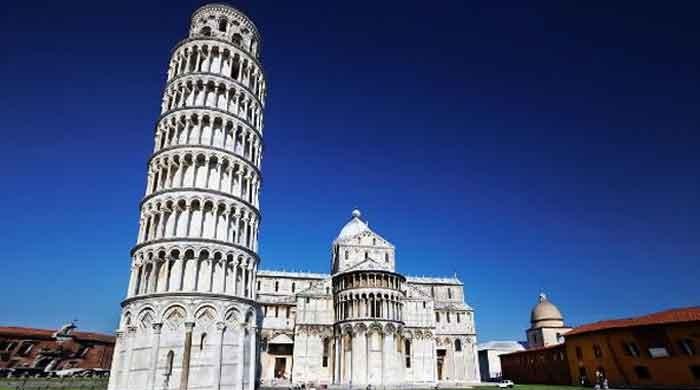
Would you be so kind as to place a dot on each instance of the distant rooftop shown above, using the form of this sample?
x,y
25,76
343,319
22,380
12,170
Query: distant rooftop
x,y
687,314
507,345
48,334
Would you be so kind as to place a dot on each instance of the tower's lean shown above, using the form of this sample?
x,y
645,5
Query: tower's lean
x,y
189,317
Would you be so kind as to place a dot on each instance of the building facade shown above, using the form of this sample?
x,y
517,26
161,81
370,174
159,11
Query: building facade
x,y
44,350
489,360
198,311
546,365
658,349
546,325
365,323
544,360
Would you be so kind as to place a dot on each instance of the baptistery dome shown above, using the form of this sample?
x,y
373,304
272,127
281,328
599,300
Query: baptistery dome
x,y
545,313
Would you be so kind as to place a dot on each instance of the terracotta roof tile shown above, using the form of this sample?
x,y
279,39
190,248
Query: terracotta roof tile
x,y
19,332
47,334
536,349
687,314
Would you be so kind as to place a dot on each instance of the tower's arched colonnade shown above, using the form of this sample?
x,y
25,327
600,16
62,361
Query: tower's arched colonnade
x,y
190,319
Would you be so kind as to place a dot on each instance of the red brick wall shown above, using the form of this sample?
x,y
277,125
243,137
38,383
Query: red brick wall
x,y
543,365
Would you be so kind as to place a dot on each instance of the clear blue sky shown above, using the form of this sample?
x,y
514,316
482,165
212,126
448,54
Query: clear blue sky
x,y
552,147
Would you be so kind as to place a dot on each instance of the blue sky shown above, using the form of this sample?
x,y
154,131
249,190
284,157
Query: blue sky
x,y
549,146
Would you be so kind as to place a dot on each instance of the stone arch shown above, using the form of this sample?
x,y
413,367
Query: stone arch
x,y
174,316
347,330
232,316
126,320
360,328
250,317
146,319
205,316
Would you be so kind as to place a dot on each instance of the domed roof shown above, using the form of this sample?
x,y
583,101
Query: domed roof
x,y
545,310
354,226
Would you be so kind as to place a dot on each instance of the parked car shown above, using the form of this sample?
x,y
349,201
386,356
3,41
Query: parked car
x,y
506,384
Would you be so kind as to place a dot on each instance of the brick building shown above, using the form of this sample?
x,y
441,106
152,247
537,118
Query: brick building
x,y
48,350
655,350
659,349
538,365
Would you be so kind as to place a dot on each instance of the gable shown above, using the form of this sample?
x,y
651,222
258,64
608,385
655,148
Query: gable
x,y
366,237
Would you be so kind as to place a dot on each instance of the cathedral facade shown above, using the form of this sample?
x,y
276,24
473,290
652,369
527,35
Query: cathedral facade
x,y
200,314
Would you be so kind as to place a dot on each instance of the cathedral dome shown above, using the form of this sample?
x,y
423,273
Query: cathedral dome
x,y
545,314
354,226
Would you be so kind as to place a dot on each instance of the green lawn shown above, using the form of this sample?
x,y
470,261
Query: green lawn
x,y
53,383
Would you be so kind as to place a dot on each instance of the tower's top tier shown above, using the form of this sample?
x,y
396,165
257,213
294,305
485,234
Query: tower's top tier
x,y
224,22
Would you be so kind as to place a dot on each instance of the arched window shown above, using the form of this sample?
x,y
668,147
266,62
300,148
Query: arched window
x,y
366,255
374,241
326,349
277,286
206,31
169,363
458,345
407,352
222,25
236,39
202,341
294,286
449,293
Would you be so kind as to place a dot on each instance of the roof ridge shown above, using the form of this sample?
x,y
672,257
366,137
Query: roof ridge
x,y
673,315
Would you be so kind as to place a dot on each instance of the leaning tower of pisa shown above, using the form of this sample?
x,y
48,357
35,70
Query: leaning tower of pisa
x,y
189,319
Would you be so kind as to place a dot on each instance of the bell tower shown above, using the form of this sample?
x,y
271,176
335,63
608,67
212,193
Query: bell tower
x,y
194,265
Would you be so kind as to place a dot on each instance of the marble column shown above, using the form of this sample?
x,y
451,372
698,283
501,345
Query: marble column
x,y
130,335
220,329
157,327
253,358
118,345
184,379
241,355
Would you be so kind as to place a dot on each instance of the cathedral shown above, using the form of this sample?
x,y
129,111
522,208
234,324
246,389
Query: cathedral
x,y
200,314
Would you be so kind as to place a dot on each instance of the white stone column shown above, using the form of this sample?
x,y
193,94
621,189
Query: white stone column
x,y
131,291
382,379
220,329
253,355
116,358
433,348
130,335
241,346
336,360
154,356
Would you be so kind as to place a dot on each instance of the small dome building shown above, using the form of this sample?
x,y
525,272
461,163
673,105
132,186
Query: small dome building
x,y
546,324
